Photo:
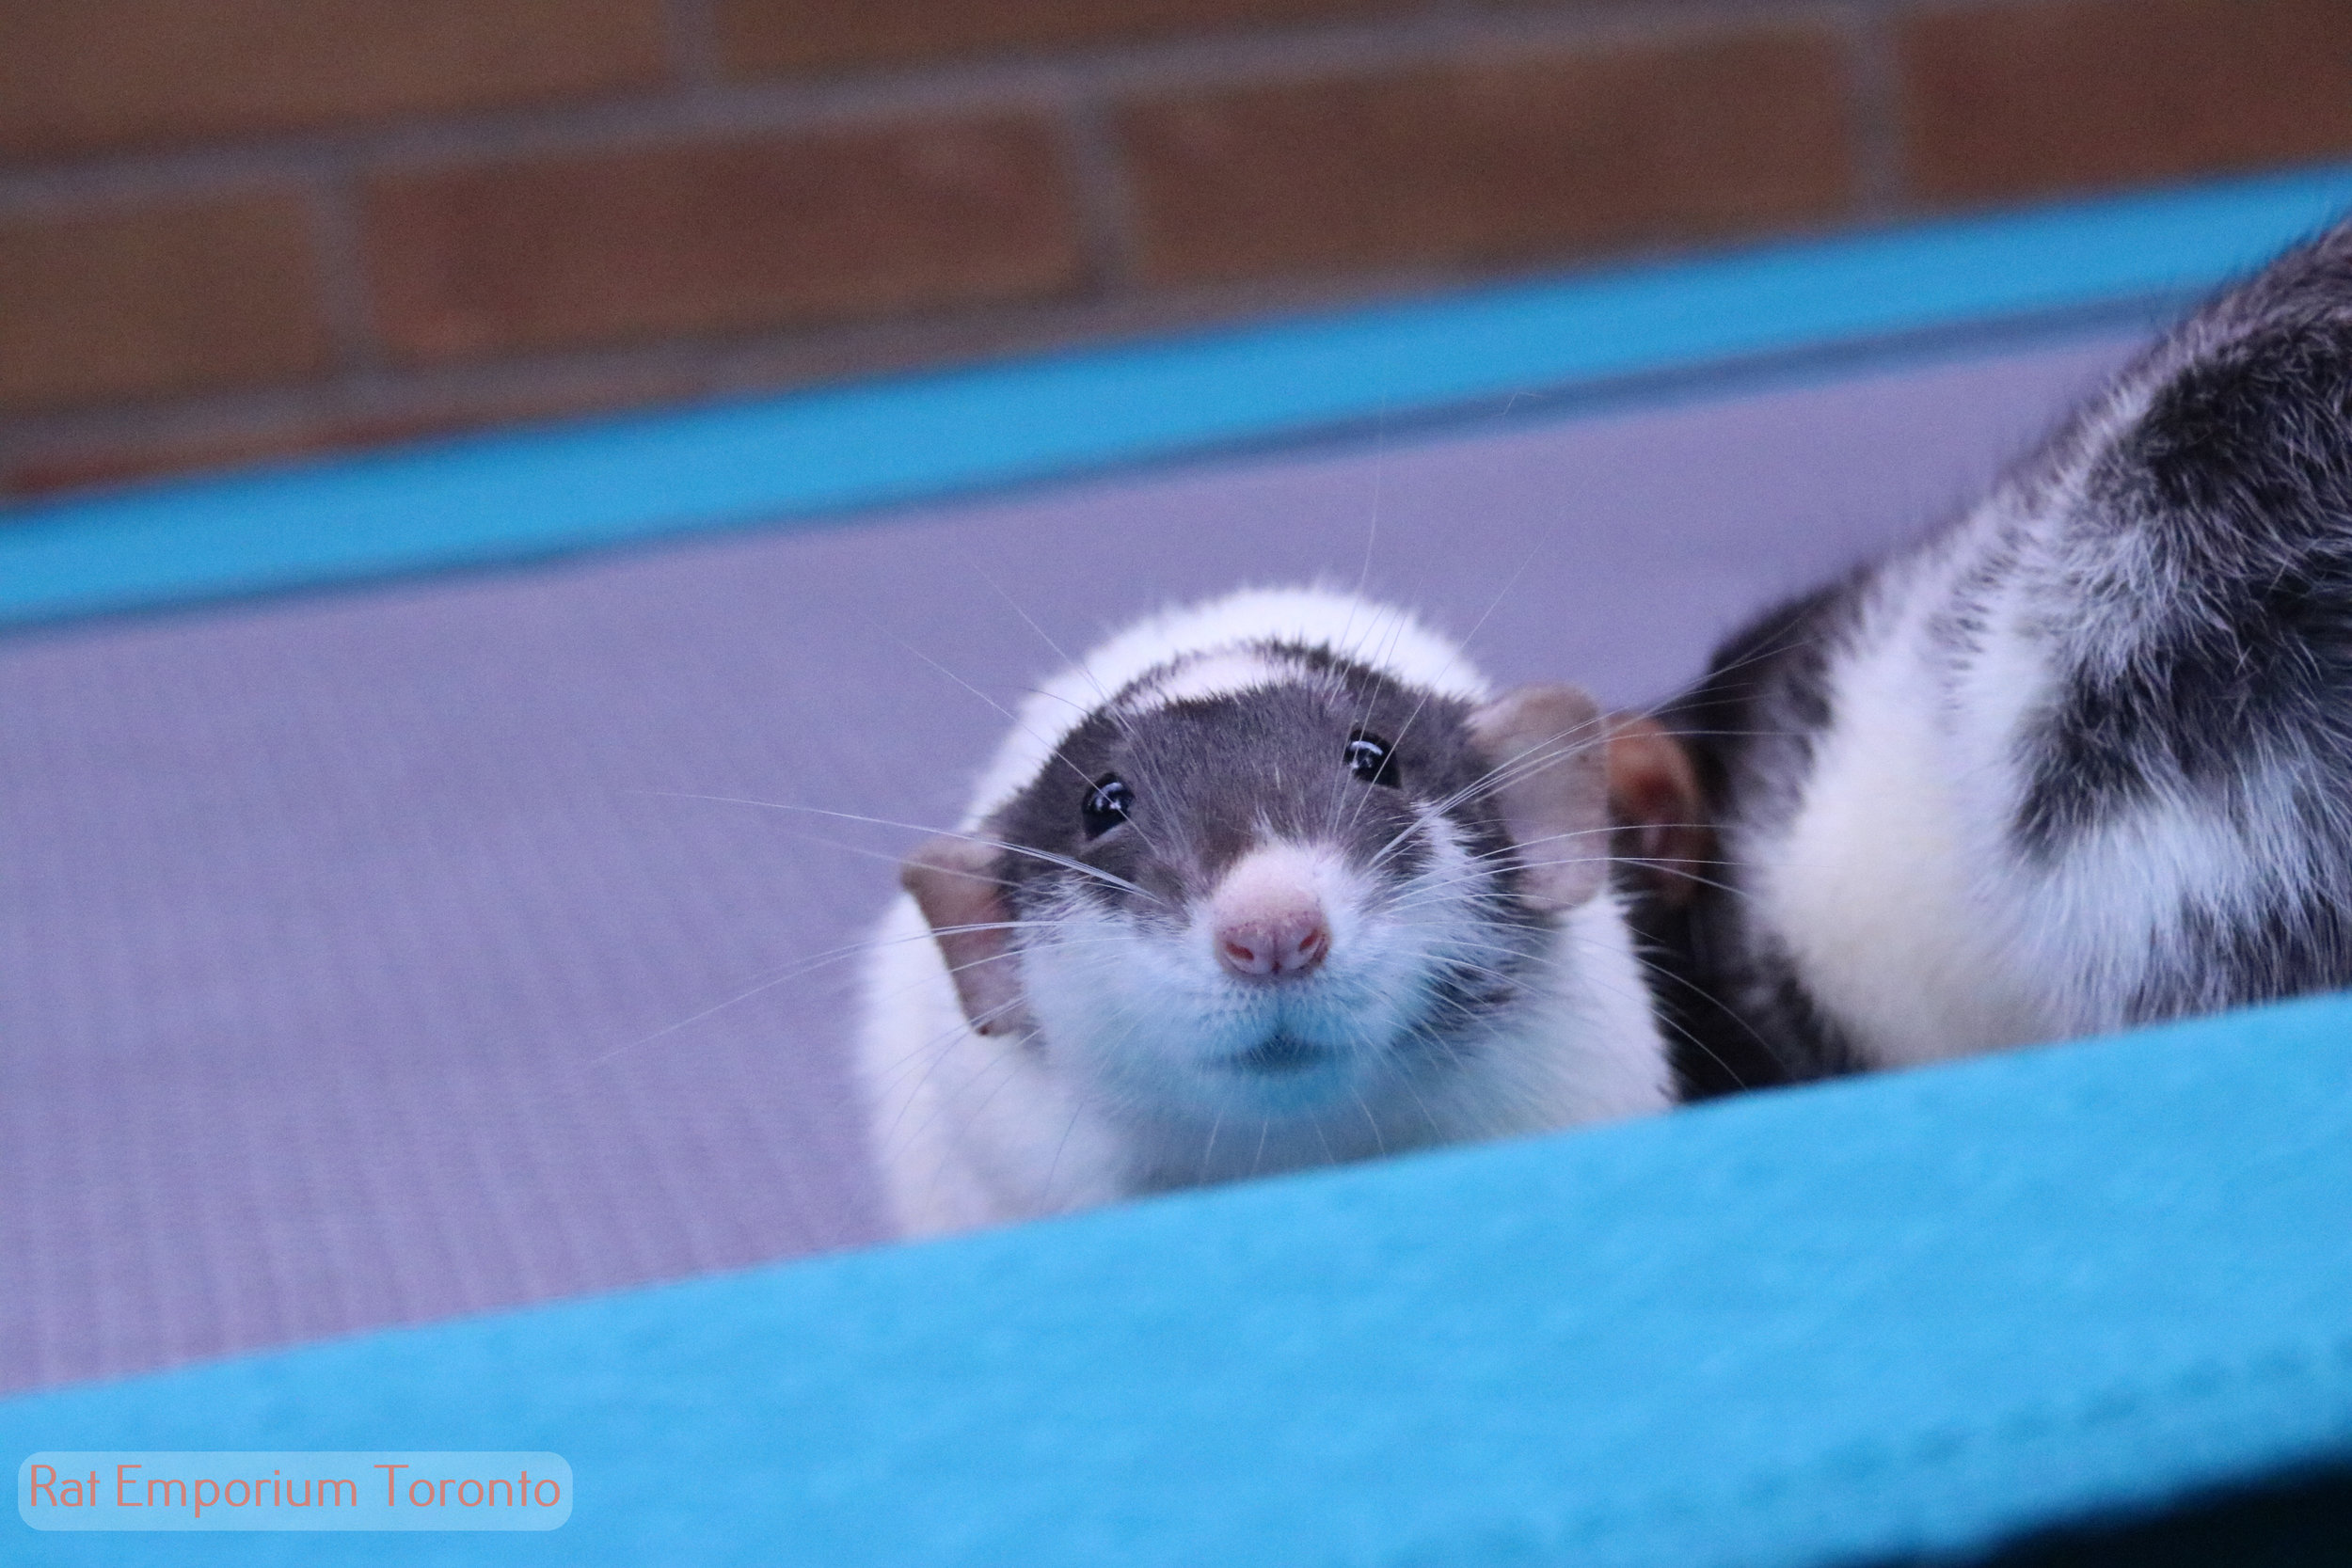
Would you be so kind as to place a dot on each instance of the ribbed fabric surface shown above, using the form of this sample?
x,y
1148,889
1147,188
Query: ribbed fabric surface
x,y
355,969
1900,1319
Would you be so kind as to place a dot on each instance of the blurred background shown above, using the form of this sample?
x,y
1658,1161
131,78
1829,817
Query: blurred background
x,y
233,230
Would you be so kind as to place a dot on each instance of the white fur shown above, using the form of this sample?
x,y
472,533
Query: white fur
x,y
1133,1093
1910,916
1874,883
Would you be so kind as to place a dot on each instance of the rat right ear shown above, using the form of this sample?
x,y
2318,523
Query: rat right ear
x,y
959,887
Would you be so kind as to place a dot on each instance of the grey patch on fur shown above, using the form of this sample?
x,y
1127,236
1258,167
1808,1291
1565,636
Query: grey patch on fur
x,y
1739,1014
2178,557
1214,777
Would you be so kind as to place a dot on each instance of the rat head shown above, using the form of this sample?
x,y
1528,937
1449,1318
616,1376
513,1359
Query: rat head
x,y
1269,880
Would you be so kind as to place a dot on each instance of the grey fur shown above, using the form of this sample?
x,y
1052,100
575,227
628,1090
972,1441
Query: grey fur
x,y
1217,776
2174,567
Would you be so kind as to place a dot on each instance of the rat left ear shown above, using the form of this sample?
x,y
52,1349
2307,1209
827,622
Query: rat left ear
x,y
1660,812
1547,747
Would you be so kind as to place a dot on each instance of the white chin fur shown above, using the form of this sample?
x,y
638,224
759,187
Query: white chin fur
x,y
1160,1031
1114,1098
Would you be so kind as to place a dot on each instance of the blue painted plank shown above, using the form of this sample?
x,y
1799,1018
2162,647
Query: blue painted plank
x,y
517,496
1913,1313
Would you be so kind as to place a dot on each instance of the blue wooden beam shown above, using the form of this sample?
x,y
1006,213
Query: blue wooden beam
x,y
1914,1313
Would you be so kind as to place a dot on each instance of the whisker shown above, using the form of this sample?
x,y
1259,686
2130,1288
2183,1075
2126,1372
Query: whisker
x,y
1052,753
936,1046
1565,744
1208,1147
1459,651
1379,1142
1661,972
1009,1061
1658,1016
799,969
1047,855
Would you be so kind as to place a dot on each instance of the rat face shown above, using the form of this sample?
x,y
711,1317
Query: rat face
x,y
1296,906
1270,881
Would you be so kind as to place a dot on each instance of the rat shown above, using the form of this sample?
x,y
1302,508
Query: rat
x,y
1271,881
2080,760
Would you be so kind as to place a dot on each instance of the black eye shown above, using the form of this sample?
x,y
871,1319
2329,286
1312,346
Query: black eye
x,y
1106,805
1371,759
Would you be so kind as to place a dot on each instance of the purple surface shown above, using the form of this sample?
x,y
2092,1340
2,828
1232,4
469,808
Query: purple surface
x,y
354,970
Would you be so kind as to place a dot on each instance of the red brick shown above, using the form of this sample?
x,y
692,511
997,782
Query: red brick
x,y
1543,156
197,436
137,302
764,37
193,436
46,472
71,465
714,237
2060,95
77,74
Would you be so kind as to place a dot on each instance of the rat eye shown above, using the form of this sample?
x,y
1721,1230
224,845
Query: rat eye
x,y
1106,804
1371,759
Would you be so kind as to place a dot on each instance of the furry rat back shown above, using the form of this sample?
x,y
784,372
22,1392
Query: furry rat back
x,y
2080,761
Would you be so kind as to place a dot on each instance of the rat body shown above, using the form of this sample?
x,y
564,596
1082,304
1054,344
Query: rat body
x,y
1267,882
2082,760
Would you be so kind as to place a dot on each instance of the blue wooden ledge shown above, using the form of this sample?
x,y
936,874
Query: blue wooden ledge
x,y
1917,1313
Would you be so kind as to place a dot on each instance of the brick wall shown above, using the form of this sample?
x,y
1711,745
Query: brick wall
x,y
232,229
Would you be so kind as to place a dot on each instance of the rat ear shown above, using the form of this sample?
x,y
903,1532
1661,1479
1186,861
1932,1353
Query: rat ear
x,y
1545,745
957,885
1660,814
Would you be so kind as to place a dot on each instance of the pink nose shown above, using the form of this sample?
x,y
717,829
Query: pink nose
x,y
1273,944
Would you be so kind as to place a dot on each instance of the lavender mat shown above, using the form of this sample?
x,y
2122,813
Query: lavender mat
x,y
354,971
